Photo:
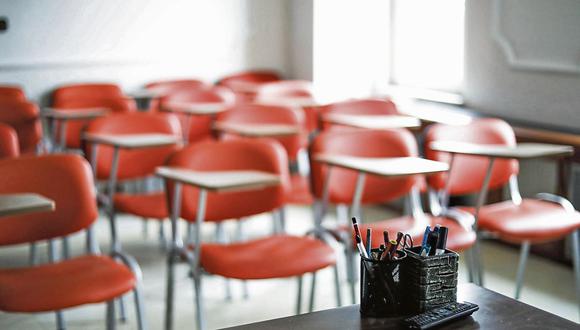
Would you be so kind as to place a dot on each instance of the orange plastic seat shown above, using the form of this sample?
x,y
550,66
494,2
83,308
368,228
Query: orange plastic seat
x,y
533,220
83,280
299,193
357,107
172,86
8,142
148,205
286,256
98,95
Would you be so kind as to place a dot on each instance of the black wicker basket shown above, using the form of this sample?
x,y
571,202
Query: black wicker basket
x,y
428,281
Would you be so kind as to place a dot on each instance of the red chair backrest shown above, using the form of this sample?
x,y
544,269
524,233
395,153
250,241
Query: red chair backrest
x,y
23,117
361,143
359,107
468,172
66,179
200,126
8,142
260,155
74,96
136,163
11,94
267,114
285,88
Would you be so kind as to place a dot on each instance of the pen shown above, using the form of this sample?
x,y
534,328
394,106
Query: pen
x,y
359,243
432,242
399,237
442,241
392,249
386,237
369,240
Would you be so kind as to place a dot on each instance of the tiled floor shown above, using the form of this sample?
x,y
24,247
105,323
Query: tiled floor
x,y
548,285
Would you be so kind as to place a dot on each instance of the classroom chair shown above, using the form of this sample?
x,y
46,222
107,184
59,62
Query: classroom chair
x,y
293,144
133,165
291,93
246,83
196,127
523,221
95,95
376,190
277,256
8,142
357,107
172,86
87,279
24,118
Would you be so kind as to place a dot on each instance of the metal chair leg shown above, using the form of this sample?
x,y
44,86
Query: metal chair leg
x,y
312,293
139,308
478,261
525,251
282,218
122,311
65,248
111,324
60,323
337,286
145,228
169,299
200,317
162,238
470,265
575,246
299,296
245,291
33,256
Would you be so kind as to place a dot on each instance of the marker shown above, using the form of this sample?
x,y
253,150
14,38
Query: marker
x,y
424,251
399,237
442,242
369,240
359,243
386,237
432,242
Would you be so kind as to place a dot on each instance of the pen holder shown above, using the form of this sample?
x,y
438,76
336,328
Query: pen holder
x,y
380,286
429,281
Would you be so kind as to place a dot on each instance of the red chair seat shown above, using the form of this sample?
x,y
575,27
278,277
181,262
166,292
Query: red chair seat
x,y
70,283
272,257
458,238
533,220
153,205
299,191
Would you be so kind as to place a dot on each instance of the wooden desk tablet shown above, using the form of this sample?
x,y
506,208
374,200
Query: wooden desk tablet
x,y
220,181
257,130
132,141
434,115
392,166
74,114
520,151
300,102
372,121
496,311
15,204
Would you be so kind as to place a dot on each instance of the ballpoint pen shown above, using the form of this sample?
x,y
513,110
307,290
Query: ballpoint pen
x,y
424,247
442,241
359,243
369,240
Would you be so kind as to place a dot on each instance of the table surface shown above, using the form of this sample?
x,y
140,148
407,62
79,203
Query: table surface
x,y
428,115
392,166
257,130
520,151
76,113
220,181
373,121
197,108
132,141
15,204
496,311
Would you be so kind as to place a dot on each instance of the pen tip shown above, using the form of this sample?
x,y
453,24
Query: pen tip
x,y
353,219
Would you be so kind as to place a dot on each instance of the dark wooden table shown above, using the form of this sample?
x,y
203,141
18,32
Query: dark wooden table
x,y
495,312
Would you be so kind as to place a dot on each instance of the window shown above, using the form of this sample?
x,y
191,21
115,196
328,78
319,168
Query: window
x,y
363,47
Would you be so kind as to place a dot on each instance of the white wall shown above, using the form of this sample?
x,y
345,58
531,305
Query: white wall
x,y
130,42
545,31
301,46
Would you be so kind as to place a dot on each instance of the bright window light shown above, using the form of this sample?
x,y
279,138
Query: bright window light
x,y
428,44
